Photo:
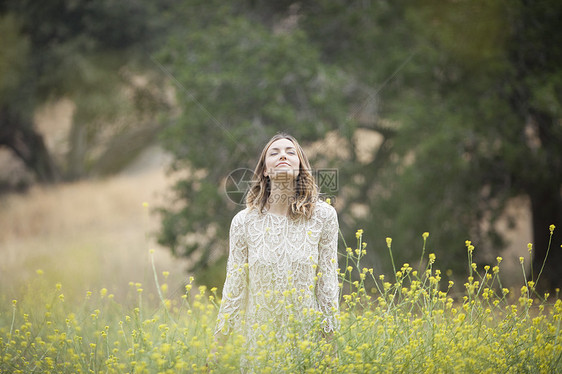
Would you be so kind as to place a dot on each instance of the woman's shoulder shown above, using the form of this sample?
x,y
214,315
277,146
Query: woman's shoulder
x,y
242,213
324,210
240,217
245,215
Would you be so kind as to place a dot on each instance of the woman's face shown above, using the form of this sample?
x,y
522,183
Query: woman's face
x,y
282,160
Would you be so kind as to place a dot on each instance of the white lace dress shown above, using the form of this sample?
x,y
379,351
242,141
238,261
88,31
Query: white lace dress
x,y
280,270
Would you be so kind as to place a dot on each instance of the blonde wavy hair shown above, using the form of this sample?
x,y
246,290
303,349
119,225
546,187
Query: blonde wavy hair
x,y
306,190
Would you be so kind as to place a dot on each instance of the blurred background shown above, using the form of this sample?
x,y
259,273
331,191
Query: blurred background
x,y
120,122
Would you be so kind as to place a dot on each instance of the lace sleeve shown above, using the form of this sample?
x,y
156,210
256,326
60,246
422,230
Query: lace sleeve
x,y
235,290
327,287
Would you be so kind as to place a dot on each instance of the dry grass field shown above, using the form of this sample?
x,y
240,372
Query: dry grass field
x,y
87,235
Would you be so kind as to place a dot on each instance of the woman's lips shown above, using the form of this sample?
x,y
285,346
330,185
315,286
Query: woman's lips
x,y
282,163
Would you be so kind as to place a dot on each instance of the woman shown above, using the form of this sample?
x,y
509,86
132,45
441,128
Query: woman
x,y
282,264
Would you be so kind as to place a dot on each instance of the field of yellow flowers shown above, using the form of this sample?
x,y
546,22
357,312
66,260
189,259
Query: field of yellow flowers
x,y
410,322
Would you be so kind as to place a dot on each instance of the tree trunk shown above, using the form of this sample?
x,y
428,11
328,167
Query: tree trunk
x,y
76,157
546,203
28,145
546,208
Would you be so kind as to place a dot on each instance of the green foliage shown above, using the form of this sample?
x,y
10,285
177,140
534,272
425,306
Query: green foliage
x,y
469,92
238,83
13,57
465,94
91,53
64,35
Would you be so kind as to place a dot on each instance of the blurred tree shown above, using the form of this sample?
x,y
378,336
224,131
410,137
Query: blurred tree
x,y
91,52
238,82
466,96
478,114
16,130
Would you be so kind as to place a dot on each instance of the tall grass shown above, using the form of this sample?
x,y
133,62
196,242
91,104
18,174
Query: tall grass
x,y
87,235
408,322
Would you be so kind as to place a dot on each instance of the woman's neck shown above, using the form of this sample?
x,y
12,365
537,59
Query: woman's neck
x,y
281,197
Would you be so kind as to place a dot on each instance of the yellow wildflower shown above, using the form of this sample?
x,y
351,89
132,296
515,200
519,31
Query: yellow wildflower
x,y
388,241
431,258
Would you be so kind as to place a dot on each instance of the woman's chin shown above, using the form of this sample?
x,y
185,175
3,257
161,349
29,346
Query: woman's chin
x,y
284,175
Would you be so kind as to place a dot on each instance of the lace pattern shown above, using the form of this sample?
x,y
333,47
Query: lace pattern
x,y
279,268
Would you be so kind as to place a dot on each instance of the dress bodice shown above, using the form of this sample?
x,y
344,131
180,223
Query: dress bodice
x,y
280,268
